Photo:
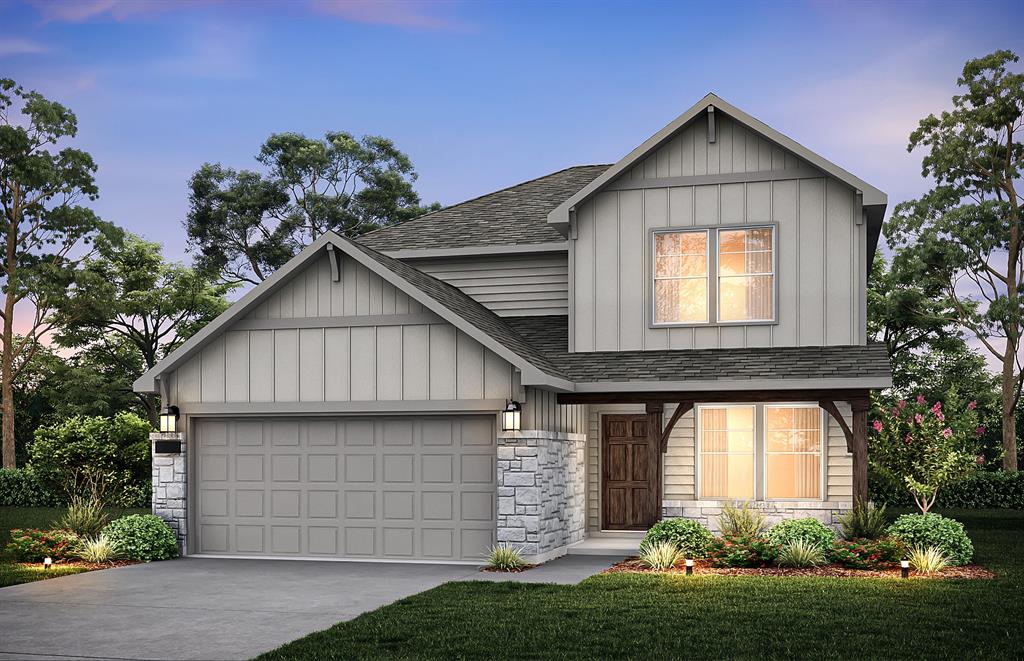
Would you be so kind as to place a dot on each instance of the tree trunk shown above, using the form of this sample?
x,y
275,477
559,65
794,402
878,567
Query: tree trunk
x,y
7,384
1009,414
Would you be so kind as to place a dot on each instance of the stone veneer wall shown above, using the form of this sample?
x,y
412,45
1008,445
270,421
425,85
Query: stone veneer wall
x,y
170,481
707,511
541,491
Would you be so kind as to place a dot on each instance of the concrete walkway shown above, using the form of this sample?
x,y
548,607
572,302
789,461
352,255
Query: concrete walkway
x,y
220,609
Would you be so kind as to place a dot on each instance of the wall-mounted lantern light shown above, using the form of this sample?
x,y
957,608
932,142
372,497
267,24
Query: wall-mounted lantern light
x,y
511,417
169,420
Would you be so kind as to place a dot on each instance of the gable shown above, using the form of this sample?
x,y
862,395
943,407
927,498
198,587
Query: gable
x,y
735,149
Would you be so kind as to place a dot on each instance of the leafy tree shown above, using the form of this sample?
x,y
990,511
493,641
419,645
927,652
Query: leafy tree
x,y
926,447
129,308
966,233
243,224
52,387
46,232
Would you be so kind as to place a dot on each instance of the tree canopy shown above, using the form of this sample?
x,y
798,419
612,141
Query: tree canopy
x,y
964,237
244,224
46,230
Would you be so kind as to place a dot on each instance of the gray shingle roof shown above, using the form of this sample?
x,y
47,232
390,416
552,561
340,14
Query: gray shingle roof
x,y
467,308
550,335
515,215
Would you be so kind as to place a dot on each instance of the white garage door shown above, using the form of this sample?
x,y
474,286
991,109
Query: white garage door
x,y
386,487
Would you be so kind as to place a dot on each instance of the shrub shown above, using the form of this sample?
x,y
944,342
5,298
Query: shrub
x,y
84,454
864,521
689,537
505,558
807,530
927,560
98,549
923,530
736,551
983,490
660,555
142,537
84,517
927,447
742,521
866,553
32,545
19,488
801,553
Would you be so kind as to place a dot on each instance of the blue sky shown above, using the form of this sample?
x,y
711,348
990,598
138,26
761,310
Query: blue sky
x,y
480,95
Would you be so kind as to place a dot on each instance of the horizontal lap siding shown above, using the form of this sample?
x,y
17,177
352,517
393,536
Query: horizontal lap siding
x,y
679,462
509,285
366,363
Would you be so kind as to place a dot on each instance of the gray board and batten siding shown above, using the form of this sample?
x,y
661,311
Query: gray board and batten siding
x,y
821,244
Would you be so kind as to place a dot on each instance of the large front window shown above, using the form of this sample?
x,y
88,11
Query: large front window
x,y
760,451
738,286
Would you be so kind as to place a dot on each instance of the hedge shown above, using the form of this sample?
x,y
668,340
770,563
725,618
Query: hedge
x,y
19,488
984,490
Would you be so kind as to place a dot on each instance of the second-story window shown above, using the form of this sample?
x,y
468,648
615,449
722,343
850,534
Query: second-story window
x,y
746,278
681,277
737,286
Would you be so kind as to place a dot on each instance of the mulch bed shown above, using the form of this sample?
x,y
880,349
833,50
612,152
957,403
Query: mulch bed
x,y
703,567
91,566
495,570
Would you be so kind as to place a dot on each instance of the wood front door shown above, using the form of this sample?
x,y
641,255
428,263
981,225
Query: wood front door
x,y
630,470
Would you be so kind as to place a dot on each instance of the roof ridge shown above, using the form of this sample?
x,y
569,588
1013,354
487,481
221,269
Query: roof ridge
x,y
482,196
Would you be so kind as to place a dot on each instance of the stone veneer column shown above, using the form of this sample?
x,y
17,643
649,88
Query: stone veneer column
x,y
541,491
170,487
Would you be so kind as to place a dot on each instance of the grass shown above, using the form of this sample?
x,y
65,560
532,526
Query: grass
x,y
13,573
662,616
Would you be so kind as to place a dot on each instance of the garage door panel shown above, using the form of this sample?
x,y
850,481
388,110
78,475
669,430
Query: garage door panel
x,y
387,487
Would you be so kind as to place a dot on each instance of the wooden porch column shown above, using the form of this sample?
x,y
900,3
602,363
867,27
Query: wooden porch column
x,y
860,450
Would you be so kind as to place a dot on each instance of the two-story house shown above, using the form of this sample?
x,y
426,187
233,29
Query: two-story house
x,y
557,364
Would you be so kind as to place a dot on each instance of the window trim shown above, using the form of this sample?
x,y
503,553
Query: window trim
x,y
708,276
699,441
760,476
713,320
822,458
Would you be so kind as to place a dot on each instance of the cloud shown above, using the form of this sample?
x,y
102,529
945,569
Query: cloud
x,y
424,15
77,11
213,50
19,46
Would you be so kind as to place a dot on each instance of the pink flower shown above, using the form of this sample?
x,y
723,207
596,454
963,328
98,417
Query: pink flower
x,y
908,439
947,432
902,404
940,416
878,425
918,418
937,407
972,405
979,431
920,399
980,460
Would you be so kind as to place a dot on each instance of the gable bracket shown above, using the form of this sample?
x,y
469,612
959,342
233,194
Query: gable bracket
x,y
682,409
334,256
711,124
830,408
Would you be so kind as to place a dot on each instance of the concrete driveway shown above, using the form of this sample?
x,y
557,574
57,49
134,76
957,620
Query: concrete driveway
x,y
217,609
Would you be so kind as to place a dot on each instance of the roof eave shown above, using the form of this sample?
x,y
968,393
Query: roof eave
x,y
559,217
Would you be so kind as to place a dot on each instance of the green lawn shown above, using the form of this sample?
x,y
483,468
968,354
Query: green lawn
x,y
658,617
12,573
